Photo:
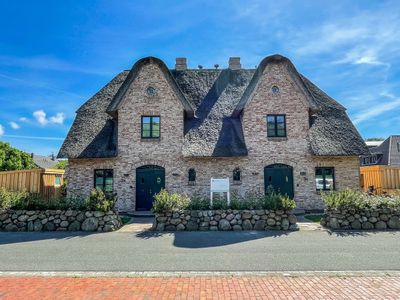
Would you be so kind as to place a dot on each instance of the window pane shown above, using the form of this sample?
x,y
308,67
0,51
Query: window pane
x,y
146,120
329,179
319,178
281,132
99,181
280,119
109,181
146,127
156,134
108,188
156,120
271,125
146,133
281,126
57,181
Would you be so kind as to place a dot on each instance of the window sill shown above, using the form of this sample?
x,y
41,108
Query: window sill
x,y
237,183
277,138
150,139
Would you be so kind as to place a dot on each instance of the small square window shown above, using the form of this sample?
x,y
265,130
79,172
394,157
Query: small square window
x,y
150,127
276,125
325,178
104,180
57,181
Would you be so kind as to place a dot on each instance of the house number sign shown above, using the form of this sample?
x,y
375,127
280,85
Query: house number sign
x,y
219,185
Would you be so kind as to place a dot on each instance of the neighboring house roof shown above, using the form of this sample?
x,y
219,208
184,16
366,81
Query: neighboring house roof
x,y
388,151
217,98
44,162
373,144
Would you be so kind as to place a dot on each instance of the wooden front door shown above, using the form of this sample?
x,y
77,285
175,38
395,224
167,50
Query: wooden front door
x,y
149,181
280,177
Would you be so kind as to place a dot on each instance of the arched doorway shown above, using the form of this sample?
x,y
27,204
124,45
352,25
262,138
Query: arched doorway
x,y
280,177
150,180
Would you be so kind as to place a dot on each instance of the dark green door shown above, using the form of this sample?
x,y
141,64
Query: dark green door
x,y
149,181
280,177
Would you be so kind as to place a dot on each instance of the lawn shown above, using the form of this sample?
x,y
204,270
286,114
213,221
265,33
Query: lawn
x,y
313,218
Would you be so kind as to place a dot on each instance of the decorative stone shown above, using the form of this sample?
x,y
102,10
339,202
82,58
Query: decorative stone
x,y
285,224
230,217
64,224
292,219
49,226
259,225
246,225
380,225
394,222
180,227
237,228
271,222
246,215
191,226
11,227
23,218
224,225
90,224
372,219
333,223
367,225
175,221
98,214
74,226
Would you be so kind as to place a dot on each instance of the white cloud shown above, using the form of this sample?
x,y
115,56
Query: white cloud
x,y
1,130
23,119
14,125
377,110
58,118
359,57
40,116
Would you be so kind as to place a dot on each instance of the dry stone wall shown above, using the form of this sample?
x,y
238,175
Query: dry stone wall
x,y
59,220
225,220
367,219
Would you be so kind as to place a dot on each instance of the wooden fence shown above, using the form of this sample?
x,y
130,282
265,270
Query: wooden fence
x,y
383,179
46,182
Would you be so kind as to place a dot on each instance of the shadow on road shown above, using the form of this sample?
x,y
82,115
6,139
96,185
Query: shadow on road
x,y
363,233
206,239
24,237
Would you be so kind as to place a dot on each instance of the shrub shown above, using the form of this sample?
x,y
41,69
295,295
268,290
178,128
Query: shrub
x,y
165,201
9,199
199,203
351,199
98,200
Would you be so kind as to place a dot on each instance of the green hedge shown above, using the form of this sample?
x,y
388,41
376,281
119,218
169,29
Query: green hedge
x,y
166,202
97,200
352,199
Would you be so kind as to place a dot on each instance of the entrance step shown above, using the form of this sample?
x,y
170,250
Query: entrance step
x,y
143,214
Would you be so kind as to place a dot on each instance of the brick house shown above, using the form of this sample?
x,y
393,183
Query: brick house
x,y
153,127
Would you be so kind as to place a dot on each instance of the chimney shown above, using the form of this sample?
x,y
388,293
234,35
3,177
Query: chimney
x,y
180,63
234,63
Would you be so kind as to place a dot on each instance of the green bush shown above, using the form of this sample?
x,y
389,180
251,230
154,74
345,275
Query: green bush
x,y
165,201
98,200
352,199
10,199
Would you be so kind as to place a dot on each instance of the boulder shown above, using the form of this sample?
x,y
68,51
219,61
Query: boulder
x,y
11,227
356,224
246,215
64,224
160,227
224,225
230,217
292,219
271,222
367,226
380,225
74,226
170,228
49,226
90,224
260,225
394,222
180,227
285,224
237,228
98,214
333,223
37,225
23,218
246,225
191,226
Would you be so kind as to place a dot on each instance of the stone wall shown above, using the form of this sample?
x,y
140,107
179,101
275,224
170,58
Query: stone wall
x,y
225,220
363,219
58,220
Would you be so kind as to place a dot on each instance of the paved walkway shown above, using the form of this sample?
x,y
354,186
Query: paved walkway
x,y
137,224
252,287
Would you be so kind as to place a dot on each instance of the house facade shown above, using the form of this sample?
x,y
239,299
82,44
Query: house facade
x,y
387,153
152,127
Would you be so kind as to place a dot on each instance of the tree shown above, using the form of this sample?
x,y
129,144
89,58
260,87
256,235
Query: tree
x,y
62,164
13,159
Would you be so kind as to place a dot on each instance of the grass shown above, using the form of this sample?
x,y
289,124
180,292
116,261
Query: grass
x,y
313,218
125,219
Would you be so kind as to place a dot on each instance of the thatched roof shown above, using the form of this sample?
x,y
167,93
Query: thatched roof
x,y
213,101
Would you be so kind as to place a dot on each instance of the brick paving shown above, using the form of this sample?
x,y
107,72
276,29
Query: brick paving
x,y
235,287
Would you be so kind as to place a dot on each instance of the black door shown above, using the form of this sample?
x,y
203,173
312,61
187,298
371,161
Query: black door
x,y
280,177
149,181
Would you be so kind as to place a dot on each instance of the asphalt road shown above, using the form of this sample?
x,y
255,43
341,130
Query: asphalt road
x,y
200,251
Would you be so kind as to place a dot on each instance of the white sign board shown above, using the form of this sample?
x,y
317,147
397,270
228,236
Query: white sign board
x,y
219,185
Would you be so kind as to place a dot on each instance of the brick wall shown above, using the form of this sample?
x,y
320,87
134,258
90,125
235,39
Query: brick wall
x,y
294,150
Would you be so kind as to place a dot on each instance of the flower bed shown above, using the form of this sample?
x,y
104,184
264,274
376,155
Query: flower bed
x,y
354,210
225,220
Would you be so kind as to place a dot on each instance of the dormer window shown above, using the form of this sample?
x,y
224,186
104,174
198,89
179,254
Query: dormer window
x,y
276,125
150,127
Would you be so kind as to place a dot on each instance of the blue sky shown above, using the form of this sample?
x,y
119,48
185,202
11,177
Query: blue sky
x,y
54,55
